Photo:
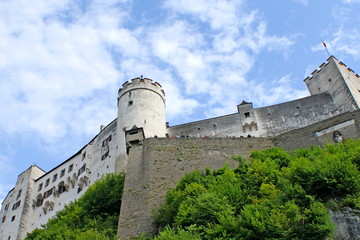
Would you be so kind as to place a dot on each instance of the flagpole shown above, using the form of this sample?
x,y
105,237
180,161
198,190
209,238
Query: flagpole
x,y
325,47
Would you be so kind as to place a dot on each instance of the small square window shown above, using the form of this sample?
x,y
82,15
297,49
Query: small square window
x,y
54,178
47,182
71,167
131,102
62,173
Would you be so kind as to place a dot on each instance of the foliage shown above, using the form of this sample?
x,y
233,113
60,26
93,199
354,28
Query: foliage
x,y
275,195
94,216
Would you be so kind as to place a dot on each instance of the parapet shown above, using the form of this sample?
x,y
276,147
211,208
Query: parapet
x,y
141,83
324,65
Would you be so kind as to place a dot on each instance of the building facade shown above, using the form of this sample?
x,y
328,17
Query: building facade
x,y
334,90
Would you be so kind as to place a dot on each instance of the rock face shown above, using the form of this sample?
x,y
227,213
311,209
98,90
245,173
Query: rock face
x,y
347,223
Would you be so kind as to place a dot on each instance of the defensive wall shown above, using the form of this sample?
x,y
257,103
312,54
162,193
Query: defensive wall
x,y
159,163
262,122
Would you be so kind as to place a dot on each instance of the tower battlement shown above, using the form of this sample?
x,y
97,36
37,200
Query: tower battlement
x,y
319,69
141,83
316,72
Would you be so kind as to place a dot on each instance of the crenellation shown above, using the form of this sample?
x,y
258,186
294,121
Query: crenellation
x,y
350,70
342,64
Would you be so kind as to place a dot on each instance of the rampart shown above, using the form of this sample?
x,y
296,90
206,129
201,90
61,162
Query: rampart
x,y
158,164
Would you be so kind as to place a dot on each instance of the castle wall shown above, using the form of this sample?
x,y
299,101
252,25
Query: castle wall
x,y
68,181
280,118
352,81
224,126
330,78
321,133
157,165
262,122
15,210
43,194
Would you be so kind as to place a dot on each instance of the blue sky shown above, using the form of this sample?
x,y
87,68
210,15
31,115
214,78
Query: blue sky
x,y
62,62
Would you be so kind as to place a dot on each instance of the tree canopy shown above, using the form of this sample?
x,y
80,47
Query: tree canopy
x,y
273,195
94,216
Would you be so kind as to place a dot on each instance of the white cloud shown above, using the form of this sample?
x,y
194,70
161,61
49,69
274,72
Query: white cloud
x,y
280,91
351,1
55,57
304,2
218,13
342,42
213,58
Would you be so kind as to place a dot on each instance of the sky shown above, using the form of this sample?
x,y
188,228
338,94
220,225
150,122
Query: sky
x,y
63,61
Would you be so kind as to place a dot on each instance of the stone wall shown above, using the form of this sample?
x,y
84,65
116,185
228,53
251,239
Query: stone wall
x,y
224,126
347,223
280,118
322,132
267,121
159,164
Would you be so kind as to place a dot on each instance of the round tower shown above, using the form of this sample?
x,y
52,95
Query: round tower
x,y
141,113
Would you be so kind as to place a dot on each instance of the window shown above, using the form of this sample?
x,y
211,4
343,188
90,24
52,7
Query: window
x,y
47,182
71,167
13,218
131,103
4,219
7,206
19,194
40,187
247,114
61,187
83,156
48,193
54,178
16,205
62,173
39,200
105,148
82,169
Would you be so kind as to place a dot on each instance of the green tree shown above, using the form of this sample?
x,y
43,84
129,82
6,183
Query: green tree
x,y
94,216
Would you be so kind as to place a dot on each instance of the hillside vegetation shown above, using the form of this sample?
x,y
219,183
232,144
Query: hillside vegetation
x,y
93,217
274,195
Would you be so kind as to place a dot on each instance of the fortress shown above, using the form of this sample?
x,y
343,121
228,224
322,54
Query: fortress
x,y
155,155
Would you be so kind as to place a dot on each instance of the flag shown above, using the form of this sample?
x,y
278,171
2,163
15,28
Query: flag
x,y
323,43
